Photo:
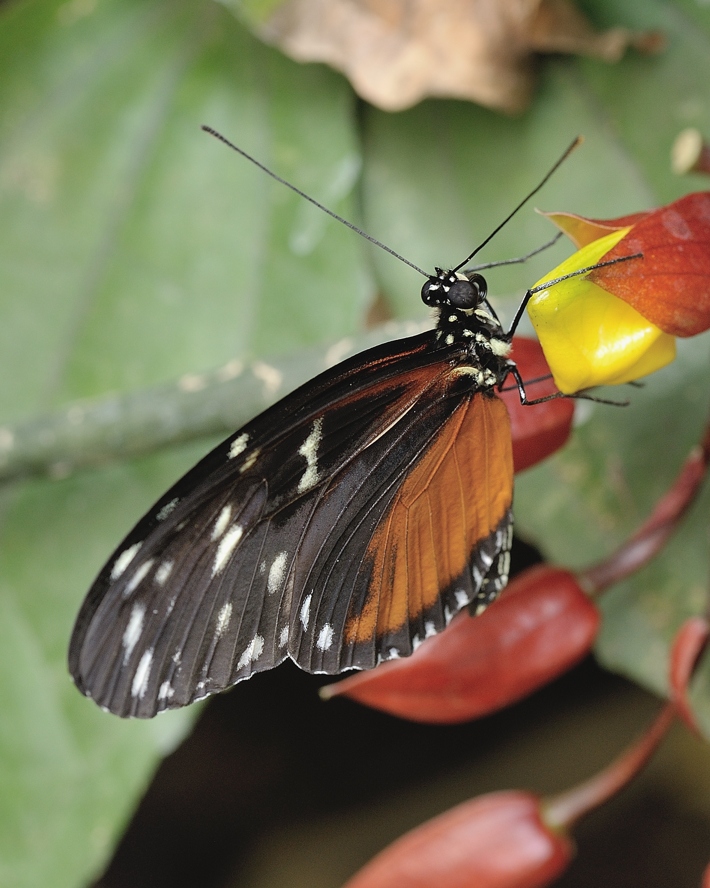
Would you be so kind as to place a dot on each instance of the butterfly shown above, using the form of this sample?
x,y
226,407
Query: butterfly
x,y
341,527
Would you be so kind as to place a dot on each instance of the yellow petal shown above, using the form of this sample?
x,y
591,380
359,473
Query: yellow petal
x,y
588,255
589,336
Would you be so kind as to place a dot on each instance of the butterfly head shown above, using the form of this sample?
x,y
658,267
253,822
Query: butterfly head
x,y
455,289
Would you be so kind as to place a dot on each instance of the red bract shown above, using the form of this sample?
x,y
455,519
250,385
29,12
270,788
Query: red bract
x,y
541,429
542,625
670,285
495,841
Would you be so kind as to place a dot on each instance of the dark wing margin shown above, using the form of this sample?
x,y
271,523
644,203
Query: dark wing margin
x,y
205,590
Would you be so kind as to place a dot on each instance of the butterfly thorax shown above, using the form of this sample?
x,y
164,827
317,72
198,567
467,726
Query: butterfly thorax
x,y
467,326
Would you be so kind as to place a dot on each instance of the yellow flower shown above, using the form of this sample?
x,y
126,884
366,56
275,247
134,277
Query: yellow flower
x,y
589,336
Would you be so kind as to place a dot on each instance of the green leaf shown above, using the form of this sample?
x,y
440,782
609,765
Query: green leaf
x,y
134,248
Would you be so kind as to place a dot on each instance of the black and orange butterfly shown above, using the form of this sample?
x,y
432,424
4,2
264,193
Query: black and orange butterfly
x,y
341,527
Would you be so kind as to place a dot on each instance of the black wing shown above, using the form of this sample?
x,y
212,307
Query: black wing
x,y
273,544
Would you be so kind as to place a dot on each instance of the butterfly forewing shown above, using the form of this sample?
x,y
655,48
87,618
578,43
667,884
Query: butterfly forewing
x,y
273,544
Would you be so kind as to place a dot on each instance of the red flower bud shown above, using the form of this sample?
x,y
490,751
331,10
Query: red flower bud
x,y
506,839
495,841
541,626
538,430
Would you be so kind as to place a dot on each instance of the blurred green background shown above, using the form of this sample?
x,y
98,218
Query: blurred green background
x,y
134,249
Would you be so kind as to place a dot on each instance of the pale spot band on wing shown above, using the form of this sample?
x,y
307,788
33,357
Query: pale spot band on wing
x,y
309,450
123,560
239,445
226,547
252,652
276,573
142,675
222,522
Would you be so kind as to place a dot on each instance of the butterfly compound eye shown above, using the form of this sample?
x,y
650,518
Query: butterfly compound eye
x,y
468,293
432,292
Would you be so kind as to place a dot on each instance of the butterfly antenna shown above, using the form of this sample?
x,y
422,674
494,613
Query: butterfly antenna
x,y
368,237
577,142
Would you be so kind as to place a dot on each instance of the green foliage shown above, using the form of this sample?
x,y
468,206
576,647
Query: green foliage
x,y
134,249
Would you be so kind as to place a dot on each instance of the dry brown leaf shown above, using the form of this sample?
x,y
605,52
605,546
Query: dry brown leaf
x,y
397,52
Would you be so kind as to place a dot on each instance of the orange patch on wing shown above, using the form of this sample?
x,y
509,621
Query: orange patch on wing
x,y
455,496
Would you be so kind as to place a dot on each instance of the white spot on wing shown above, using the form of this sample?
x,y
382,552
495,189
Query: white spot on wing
x,y
133,630
223,618
221,523
429,630
283,637
138,577
166,691
325,638
252,652
461,598
276,573
140,679
167,509
227,545
250,460
305,611
239,445
163,572
124,559
309,450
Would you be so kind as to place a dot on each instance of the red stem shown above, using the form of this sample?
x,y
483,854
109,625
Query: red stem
x,y
653,534
690,642
566,808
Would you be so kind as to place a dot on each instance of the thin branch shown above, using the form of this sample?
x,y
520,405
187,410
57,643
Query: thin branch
x,y
121,426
